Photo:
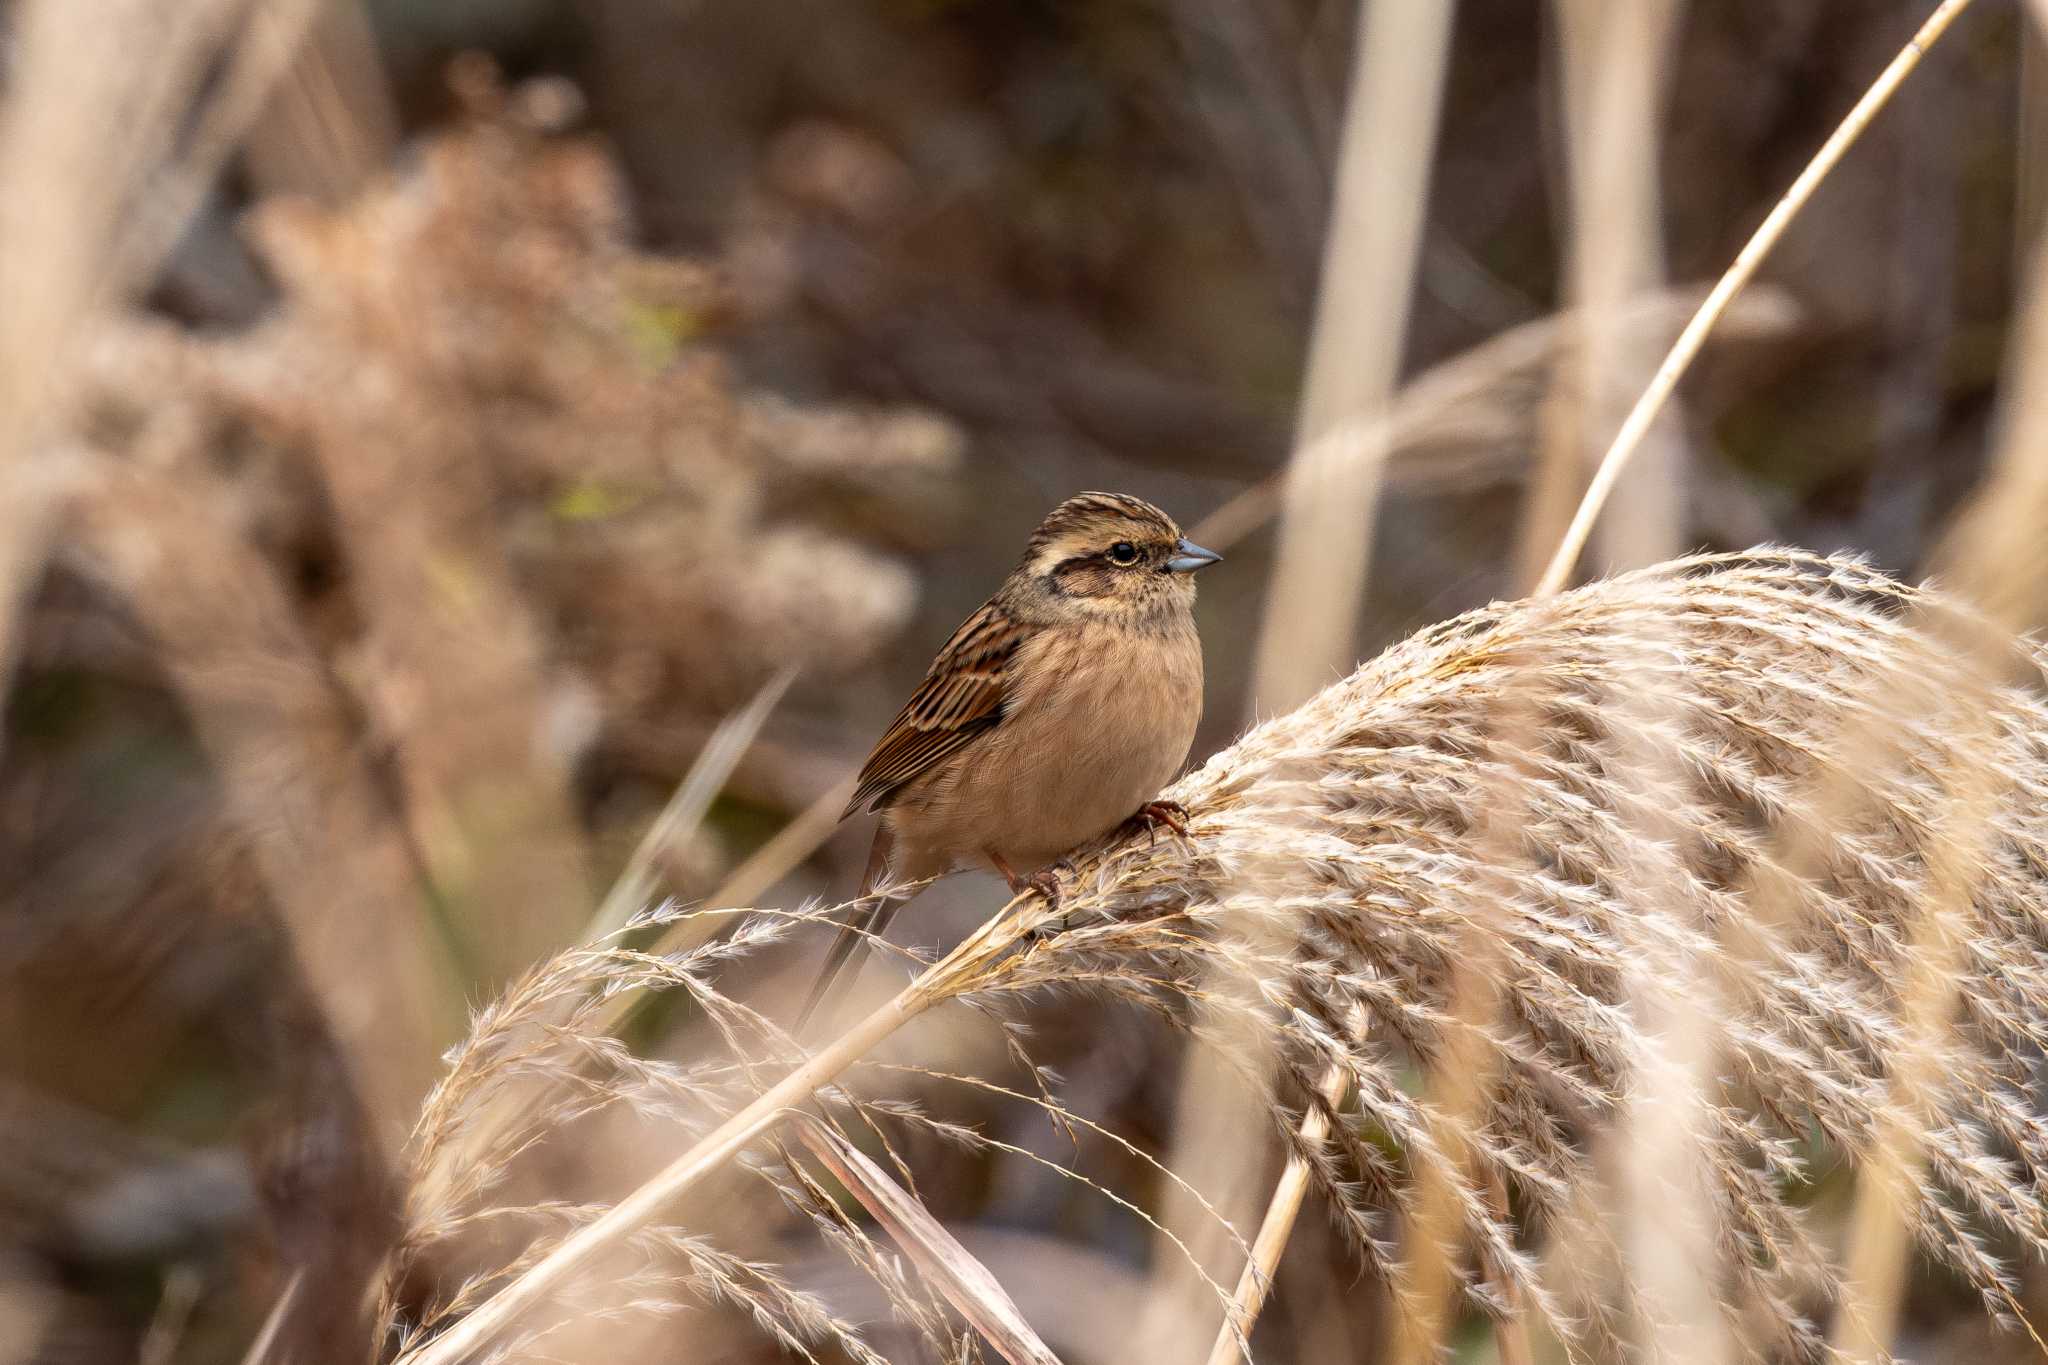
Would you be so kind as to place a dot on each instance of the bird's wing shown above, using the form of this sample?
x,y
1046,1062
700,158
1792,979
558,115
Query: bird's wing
x,y
960,700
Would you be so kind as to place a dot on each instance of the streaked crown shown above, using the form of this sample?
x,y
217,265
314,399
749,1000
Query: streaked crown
x,y
1088,518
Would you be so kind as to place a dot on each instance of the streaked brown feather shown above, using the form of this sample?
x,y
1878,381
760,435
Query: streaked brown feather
x,y
960,699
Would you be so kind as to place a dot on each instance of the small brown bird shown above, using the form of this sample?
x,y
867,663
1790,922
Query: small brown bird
x,y
1053,715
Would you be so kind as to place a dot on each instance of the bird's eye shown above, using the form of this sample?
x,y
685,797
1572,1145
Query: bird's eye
x,y
1123,552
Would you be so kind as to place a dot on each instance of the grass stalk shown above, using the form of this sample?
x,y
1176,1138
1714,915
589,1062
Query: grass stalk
x,y
1992,556
686,808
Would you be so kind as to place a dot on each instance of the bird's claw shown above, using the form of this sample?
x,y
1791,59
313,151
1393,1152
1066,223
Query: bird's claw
x,y
1046,882
1171,814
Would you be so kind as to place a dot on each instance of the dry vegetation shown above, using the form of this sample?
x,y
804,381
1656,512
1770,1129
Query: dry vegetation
x,y
1652,970
1726,786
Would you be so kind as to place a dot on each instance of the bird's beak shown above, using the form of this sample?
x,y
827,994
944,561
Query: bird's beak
x,y
1189,557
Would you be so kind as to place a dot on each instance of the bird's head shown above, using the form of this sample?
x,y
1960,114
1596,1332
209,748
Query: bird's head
x,y
1104,553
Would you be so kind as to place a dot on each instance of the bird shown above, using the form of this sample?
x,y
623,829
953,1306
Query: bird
x,y
1053,715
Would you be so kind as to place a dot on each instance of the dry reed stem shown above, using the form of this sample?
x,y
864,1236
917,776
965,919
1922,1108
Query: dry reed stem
x,y
331,125
1655,1164
1738,275
769,864
1457,1082
633,888
183,1285
1371,248
1615,61
784,853
1993,557
1613,72
1878,1239
270,40
265,1340
285,743
1370,254
974,1293
774,860
456,654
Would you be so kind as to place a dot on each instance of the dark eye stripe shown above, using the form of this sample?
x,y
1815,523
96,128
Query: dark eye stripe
x,y
1099,560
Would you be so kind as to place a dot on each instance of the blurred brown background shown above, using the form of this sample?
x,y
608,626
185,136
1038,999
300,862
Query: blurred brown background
x,y
540,378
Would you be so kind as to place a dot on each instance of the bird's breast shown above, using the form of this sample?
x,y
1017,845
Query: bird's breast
x,y
1099,720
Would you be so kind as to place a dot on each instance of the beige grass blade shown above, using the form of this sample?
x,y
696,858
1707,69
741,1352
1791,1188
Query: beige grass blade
x,y
967,1284
273,1321
793,843
95,97
1737,277
1992,555
686,808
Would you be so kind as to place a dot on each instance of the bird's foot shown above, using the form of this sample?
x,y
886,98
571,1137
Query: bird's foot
x,y
1045,881
1153,814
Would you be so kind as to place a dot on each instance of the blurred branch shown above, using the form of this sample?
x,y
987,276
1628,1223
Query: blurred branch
x,y
1994,557
273,1322
330,124
87,122
453,665
1996,554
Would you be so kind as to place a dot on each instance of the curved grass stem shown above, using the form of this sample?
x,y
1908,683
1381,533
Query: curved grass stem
x,y
1738,275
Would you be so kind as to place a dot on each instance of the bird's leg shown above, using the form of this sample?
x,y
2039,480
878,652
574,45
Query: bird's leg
x,y
1045,881
1153,814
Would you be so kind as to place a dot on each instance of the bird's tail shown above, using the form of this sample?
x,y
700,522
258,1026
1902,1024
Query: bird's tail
x,y
870,921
